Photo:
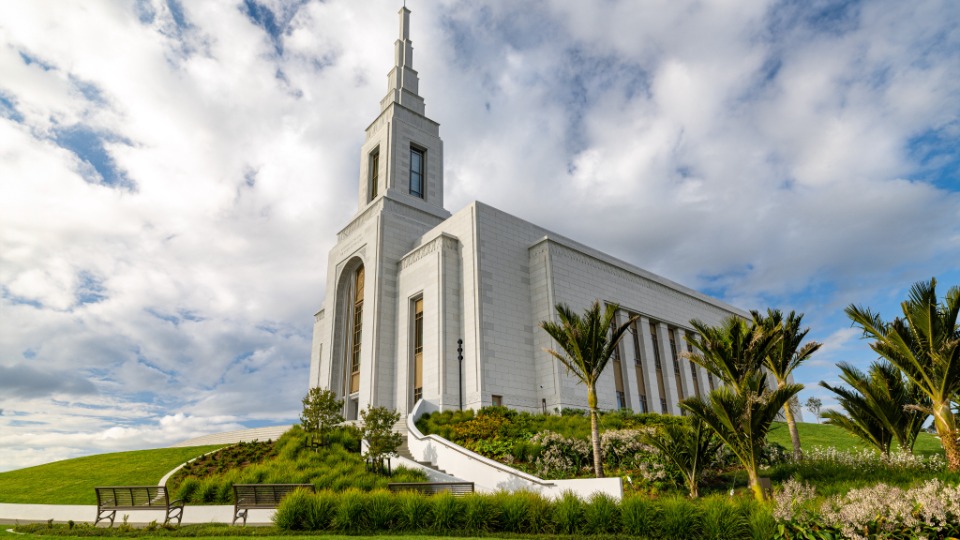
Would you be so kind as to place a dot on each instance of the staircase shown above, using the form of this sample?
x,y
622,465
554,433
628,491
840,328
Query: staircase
x,y
404,451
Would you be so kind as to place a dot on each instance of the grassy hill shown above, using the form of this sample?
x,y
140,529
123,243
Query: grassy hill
x,y
72,481
824,435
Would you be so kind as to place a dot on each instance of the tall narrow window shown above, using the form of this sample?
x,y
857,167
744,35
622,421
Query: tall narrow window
x,y
416,172
676,363
357,331
417,349
693,366
656,358
638,367
618,379
374,173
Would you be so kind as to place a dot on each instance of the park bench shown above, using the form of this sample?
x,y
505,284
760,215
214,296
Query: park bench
x,y
113,498
458,489
248,496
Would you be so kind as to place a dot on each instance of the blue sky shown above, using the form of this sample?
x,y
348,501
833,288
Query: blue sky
x,y
174,173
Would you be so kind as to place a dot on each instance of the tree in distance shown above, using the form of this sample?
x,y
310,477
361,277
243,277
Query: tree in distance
x,y
814,405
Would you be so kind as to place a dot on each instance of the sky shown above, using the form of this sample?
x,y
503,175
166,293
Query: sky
x,y
174,173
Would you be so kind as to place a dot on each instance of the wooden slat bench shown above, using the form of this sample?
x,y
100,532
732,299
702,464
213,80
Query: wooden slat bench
x,y
458,489
113,498
247,496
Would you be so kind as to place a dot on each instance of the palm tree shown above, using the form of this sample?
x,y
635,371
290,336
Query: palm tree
x,y
881,407
587,343
741,418
733,351
691,449
925,345
861,419
741,411
785,357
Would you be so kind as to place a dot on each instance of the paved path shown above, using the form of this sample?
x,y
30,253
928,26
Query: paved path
x,y
61,513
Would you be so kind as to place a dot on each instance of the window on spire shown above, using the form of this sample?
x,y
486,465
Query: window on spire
x,y
374,172
416,172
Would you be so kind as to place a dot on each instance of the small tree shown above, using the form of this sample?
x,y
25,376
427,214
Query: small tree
x,y
321,411
377,430
813,405
690,449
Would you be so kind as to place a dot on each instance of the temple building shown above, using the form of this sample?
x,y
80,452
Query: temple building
x,y
425,304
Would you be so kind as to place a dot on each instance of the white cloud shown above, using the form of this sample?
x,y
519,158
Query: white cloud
x,y
763,151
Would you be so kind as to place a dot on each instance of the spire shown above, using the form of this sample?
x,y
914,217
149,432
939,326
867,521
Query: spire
x,y
402,81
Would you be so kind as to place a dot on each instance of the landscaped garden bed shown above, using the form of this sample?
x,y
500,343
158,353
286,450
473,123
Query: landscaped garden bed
x,y
289,460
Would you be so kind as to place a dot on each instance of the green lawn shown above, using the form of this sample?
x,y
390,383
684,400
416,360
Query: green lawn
x,y
258,533
825,435
72,481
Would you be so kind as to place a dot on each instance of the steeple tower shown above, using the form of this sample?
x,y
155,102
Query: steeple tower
x,y
403,85
402,157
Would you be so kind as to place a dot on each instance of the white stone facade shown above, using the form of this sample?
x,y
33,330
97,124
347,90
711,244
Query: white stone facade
x,y
486,279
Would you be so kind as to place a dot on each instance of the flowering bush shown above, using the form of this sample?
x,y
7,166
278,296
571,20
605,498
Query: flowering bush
x,y
561,456
869,459
931,510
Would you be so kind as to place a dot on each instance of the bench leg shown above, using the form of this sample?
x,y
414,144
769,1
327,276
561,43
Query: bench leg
x,y
105,514
240,514
174,512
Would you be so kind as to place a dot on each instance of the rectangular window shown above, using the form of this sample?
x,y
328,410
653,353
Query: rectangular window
x,y
416,172
374,173
357,330
643,403
663,405
497,401
621,400
417,349
656,346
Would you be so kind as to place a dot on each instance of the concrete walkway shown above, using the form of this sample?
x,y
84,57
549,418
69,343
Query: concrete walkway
x,y
62,513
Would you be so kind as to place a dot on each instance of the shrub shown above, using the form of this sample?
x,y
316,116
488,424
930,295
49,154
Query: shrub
x,y
568,514
639,516
723,519
514,511
601,515
295,511
679,518
447,513
481,513
187,488
322,511
413,511
351,515
382,510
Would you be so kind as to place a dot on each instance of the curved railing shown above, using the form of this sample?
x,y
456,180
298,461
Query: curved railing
x,y
489,475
